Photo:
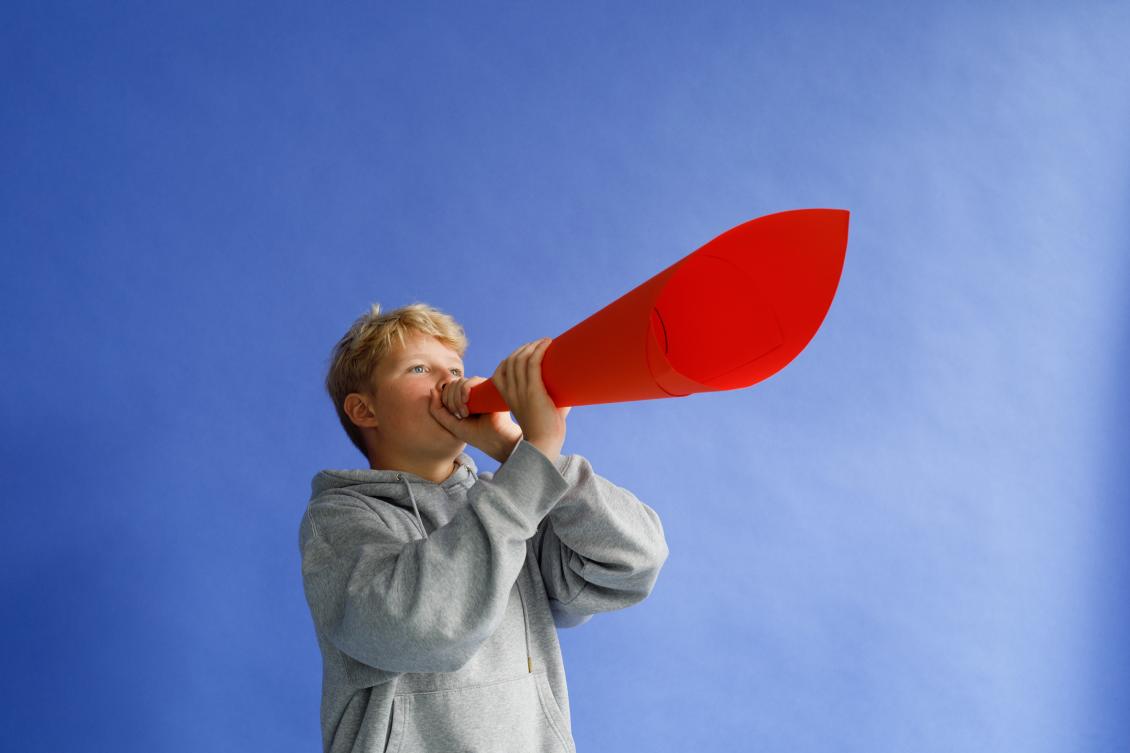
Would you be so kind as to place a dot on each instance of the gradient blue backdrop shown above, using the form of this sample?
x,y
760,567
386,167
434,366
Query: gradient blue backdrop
x,y
911,539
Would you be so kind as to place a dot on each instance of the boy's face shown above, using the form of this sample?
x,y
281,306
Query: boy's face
x,y
404,380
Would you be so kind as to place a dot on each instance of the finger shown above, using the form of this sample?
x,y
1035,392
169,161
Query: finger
x,y
459,397
507,374
499,379
530,370
519,369
449,397
513,372
446,395
441,415
450,393
436,407
533,366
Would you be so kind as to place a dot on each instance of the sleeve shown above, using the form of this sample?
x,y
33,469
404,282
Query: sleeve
x,y
425,605
599,548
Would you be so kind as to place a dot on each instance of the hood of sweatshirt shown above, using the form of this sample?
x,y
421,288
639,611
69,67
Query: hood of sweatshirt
x,y
395,487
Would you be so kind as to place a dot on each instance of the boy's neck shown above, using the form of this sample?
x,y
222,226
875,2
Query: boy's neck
x,y
436,471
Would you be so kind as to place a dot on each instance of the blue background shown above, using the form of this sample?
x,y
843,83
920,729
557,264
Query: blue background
x,y
912,538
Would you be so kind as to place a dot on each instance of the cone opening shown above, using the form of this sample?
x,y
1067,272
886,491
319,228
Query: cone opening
x,y
711,320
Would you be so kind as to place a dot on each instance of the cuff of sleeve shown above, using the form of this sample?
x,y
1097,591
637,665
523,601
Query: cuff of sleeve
x,y
533,482
561,464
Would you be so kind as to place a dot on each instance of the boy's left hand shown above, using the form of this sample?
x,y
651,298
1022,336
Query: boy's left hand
x,y
493,433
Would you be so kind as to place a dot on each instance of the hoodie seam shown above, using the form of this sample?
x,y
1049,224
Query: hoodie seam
x,y
473,686
574,597
404,514
313,526
343,474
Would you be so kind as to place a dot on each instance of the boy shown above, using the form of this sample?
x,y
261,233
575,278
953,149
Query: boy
x,y
436,590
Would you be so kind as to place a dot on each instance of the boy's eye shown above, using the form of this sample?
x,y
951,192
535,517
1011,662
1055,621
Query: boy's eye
x,y
456,372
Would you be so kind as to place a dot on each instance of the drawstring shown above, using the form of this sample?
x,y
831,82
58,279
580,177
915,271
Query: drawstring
x,y
525,624
518,583
413,498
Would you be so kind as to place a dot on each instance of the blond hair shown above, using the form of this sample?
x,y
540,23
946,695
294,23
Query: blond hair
x,y
356,355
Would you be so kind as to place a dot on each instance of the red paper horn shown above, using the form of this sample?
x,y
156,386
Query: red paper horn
x,y
729,315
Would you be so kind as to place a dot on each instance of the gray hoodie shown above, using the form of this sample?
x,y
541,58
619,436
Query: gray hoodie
x,y
436,605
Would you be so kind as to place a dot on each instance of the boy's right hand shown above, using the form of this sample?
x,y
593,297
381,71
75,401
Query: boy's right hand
x,y
518,380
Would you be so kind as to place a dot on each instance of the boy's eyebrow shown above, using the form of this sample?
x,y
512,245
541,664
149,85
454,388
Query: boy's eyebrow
x,y
412,356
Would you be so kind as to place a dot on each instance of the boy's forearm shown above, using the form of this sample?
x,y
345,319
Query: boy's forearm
x,y
502,450
618,539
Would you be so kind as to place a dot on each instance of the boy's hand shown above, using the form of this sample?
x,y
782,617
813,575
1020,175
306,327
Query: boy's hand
x,y
518,379
493,433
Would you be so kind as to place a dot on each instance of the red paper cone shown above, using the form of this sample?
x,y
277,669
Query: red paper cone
x,y
729,315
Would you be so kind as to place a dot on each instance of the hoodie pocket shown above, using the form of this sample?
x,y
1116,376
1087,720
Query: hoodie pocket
x,y
518,715
396,725
553,710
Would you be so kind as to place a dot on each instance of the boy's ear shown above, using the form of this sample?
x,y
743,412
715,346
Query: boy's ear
x,y
357,408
